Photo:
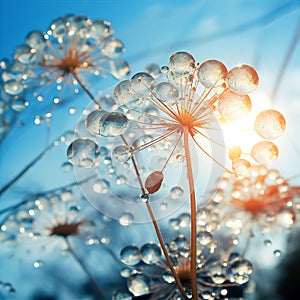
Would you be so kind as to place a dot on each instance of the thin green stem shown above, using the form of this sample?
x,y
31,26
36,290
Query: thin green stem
x,y
84,268
193,213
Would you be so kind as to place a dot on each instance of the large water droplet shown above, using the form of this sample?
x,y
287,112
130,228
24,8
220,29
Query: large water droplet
x,y
92,121
130,255
83,153
241,167
240,271
212,73
233,107
112,47
138,284
119,68
151,253
181,63
265,152
166,92
242,79
122,153
113,124
26,55
13,87
36,40
204,238
124,96
153,70
141,83
270,124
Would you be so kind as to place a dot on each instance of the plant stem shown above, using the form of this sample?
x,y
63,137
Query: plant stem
x,y
84,268
157,229
193,213
74,73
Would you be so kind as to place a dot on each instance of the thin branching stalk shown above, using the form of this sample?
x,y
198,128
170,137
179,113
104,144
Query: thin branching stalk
x,y
193,213
81,83
157,229
149,208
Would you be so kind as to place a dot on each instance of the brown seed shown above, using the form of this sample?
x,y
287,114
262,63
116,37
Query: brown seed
x,y
154,181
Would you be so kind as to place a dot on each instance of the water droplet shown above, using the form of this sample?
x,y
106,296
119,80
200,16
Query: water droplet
x,y
124,96
151,253
122,153
233,107
180,158
212,73
141,83
153,70
218,278
125,273
176,192
130,255
267,243
101,186
286,218
92,121
277,253
107,103
242,79
166,92
26,55
138,284
36,40
112,47
38,263
240,271
204,238
121,179
66,167
168,277
113,124
181,63
235,153
270,124
264,152
119,68
241,167
126,219
83,153
13,87
175,223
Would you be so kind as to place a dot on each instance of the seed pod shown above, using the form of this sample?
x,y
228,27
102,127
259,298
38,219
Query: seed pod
x,y
154,181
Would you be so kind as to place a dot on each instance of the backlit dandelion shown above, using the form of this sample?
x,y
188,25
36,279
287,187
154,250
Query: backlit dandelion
x,y
187,107
262,200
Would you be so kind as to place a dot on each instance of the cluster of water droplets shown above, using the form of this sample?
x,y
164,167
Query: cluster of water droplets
x,y
147,272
